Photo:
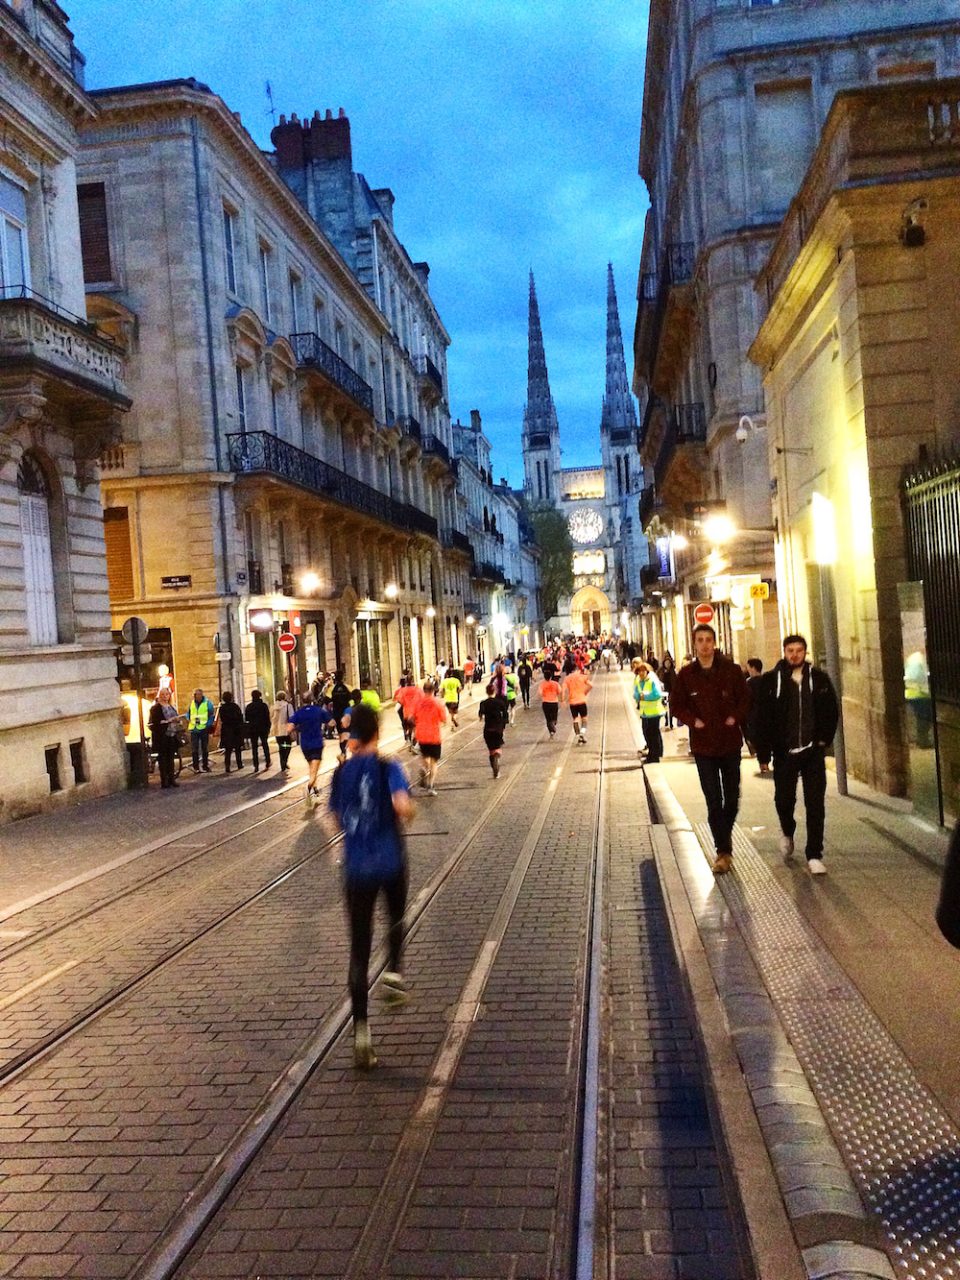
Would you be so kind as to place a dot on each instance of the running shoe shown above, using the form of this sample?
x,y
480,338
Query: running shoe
x,y
394,988
815,867
364,1059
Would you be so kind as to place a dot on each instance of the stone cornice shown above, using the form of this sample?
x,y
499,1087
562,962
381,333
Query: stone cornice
x,y
179,101
42,70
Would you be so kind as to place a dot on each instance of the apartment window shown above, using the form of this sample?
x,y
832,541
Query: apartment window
x,y
264,254
230,246
52,759
116,532
39,583
14,253
339,338
241,398
77,762
94,232
319,317
785,140
275,414
296,301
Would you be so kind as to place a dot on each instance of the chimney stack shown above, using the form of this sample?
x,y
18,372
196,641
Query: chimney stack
x,y
326,138
385,199
475,420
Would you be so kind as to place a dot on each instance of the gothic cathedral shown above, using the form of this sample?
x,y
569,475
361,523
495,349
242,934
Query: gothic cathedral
x,y
600,503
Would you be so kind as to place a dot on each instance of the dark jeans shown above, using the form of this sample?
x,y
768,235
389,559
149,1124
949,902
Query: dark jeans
x,y
652,737
720,783
284,746
200,742
810,767
166,749
258,740
361,900
234,747
525,692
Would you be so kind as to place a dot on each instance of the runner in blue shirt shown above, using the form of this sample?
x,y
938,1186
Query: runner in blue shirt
x,y
370,799
308,722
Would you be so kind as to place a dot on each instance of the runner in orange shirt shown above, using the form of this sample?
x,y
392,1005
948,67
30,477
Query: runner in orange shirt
x,y
428,717
550,701
576,686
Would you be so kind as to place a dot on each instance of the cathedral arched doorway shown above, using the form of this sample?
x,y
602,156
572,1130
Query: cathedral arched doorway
x,y
590,611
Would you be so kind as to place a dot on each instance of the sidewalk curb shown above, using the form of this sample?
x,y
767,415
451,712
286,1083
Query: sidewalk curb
x,y
804,1216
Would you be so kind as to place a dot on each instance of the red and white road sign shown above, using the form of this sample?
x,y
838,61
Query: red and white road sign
x,y
704,614
286,642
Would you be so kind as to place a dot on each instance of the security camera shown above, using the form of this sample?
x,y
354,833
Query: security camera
x,y
745,426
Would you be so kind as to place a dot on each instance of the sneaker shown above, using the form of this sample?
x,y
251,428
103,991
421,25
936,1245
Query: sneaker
x,y
364,1059
786,848
196,768
815,867
583,741
431,791
723,864
394,988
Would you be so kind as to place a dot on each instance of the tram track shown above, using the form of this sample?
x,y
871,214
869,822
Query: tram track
x,y
384,1219
195,891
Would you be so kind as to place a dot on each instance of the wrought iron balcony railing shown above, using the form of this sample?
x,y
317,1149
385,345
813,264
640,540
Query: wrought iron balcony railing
x,y
255,577
313,353
689,424
260,452
484,571
410,427
427,369
680,261
457,541
434,445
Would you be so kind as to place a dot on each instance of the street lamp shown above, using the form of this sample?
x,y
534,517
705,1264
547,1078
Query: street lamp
x,y
718,528
470,620
391,591
431,611
310,583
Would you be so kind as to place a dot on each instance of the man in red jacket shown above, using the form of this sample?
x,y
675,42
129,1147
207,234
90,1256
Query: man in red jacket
x,y
712,700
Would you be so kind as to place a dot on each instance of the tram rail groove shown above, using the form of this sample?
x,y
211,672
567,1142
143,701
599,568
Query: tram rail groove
x,y
200,1207
109,999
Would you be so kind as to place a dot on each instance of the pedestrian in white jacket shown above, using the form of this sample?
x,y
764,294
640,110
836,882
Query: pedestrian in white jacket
x,y
281,712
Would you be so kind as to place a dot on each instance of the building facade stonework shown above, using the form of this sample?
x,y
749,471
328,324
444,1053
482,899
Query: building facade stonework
x,y
735,97
286,466
62,398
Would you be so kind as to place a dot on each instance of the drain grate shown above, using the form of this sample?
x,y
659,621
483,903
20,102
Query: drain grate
x,y
900,1146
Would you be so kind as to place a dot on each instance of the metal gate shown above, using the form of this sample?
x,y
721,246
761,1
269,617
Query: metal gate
x,y
931,500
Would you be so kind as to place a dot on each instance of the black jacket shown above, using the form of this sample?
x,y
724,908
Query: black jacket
x,y
257,716
769,714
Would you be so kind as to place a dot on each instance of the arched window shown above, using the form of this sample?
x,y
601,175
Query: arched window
x,y
34,490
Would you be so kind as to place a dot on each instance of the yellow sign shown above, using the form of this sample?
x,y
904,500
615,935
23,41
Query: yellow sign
x,y
759,590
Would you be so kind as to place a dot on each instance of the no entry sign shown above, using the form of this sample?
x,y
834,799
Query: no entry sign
x,y
286,642
703,614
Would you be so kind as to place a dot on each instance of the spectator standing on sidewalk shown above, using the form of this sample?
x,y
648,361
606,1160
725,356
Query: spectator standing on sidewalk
x,y
948,908
795,715
256,716
165,724
200,718
668,679
648,695
754,672
711,699
230,721
280,713
370,799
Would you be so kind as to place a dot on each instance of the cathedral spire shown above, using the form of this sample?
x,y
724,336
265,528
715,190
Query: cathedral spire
x,y
540,415
619,412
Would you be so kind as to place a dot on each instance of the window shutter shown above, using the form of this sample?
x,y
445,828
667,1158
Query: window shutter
x,y
94,233
116,530
38,569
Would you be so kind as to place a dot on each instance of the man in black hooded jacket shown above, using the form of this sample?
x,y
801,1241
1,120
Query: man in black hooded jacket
x,y
794,717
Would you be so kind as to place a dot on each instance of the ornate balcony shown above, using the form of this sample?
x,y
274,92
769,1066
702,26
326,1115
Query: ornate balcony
x,y
457,541
410,428
433,446
430,376
313,353
666,314
39,336
686,425
260,453
484,571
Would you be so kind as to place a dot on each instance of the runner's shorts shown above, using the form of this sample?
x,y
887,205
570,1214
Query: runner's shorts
x,y
312,753
578,710
493,738
453,707
430,750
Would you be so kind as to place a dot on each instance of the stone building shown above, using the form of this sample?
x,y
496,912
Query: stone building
x,y
735,96
600,503
63,396
860,355
286,464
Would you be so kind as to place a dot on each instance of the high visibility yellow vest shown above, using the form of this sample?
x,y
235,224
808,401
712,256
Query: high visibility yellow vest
x,y
200,716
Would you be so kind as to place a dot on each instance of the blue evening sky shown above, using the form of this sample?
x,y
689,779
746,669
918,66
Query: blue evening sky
x,y
507,129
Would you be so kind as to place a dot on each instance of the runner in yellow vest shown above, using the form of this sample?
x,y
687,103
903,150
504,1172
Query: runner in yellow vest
x,y
450,689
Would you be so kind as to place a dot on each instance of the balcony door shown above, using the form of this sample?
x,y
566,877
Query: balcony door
x,y
39,580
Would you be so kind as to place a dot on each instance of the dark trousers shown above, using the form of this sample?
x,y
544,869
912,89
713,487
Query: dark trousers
x,y
720,783
361,900
166,749
652,737
810,768
258,740
231,746
550,712
200,742
525,692
284,746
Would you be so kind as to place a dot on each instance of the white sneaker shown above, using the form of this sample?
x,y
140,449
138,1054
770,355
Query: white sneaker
x,y
786,848
815,867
